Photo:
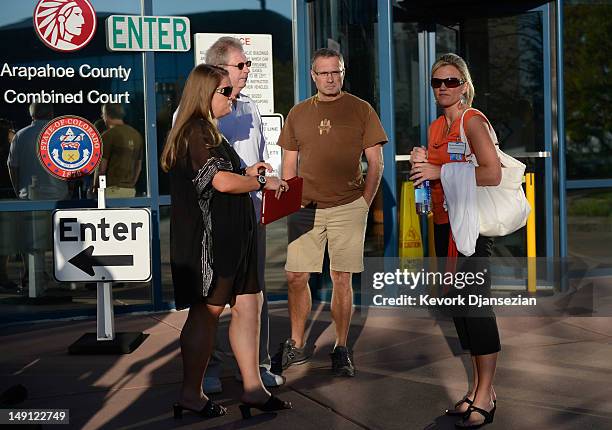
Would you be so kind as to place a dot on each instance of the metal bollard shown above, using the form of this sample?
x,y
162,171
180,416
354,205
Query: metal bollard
x,y
531,234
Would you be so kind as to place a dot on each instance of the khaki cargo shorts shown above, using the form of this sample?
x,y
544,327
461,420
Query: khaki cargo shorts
x,y
341,227
118,192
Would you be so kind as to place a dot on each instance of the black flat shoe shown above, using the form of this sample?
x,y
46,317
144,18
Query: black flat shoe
x,y
454,412
488,416
210,410
273,404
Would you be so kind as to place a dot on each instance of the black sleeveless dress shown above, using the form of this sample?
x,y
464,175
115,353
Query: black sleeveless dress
x,y
213,250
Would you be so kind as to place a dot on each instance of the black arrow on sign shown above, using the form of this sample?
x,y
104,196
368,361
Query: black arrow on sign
x,y
85,260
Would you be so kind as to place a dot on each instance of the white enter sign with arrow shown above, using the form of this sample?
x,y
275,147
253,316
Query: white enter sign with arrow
x,y
103,245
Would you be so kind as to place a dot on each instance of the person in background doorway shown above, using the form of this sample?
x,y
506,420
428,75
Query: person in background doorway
x,y
31,181
6,137
100,125
122,148
7,225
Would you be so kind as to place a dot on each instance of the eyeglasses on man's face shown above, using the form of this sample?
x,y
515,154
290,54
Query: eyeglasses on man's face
x,y
226,91
239,65
448,82
334,74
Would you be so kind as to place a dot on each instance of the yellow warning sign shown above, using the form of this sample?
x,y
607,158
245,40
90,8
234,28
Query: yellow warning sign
x,y
410,243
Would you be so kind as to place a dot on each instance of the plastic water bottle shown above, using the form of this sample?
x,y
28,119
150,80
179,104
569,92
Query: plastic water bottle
x,y
422,198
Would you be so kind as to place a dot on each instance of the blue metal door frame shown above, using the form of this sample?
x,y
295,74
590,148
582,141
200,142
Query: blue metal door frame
x,y
544,10
148,68
301,51
561,132
387,117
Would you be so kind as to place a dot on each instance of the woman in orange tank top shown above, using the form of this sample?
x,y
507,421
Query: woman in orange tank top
x,y
454,92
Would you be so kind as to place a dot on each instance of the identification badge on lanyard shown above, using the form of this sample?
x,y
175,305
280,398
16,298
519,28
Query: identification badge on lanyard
x,y
456,150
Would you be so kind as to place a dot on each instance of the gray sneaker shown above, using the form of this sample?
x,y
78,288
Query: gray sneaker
x,y
288,354
269,379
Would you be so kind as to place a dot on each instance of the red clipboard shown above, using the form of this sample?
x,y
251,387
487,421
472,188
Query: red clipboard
x,y
289,202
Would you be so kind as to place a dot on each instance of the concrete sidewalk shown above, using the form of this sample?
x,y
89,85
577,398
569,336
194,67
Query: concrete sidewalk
x,y
553,373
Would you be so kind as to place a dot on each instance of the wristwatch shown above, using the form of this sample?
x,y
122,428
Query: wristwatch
x,y
262,181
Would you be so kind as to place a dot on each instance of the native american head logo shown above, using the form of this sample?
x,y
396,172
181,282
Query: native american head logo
x,y
65,25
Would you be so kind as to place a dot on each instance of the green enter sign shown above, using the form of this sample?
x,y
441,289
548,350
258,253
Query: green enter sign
x,y
147,33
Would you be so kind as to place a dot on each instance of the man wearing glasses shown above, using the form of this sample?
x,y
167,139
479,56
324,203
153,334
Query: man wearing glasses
x,y
323,139
244,131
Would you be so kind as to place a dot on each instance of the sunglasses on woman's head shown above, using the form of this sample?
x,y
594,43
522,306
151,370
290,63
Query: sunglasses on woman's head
x,y
226,91
448,82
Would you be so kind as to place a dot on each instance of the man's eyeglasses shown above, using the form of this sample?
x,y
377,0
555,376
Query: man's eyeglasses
x,y
448,82
333,73
226,91
239,65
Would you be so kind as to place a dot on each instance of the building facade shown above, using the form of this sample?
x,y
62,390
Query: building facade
x,y
540,71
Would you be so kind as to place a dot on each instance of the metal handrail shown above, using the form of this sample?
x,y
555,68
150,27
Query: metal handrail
x,y
538,154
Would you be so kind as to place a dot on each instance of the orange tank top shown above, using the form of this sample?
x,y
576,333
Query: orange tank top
x,y
438,153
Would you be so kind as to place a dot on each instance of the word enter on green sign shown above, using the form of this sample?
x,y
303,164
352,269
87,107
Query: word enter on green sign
x,y
147,33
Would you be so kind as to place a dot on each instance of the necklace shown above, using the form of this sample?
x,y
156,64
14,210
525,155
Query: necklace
x,y
450,121
448,126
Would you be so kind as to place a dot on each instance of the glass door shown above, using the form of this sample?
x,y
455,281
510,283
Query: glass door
x,y
509,58
508,61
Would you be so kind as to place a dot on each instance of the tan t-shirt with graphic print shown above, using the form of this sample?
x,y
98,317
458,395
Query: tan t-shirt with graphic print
x,y
330,138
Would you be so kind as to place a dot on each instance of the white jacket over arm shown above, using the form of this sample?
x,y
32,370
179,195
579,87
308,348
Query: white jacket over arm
x,y
459,184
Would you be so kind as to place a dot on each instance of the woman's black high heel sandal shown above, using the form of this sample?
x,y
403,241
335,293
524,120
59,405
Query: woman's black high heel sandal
x,y
210,410
488,416
273,404
454,412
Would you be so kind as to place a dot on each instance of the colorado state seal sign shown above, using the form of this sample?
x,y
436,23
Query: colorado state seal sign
x,y
65,25
69,147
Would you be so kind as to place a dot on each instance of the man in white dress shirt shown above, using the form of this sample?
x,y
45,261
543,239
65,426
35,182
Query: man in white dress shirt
x,y
244,131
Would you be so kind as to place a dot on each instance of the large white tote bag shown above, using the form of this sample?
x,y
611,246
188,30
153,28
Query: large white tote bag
x,y
502,209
